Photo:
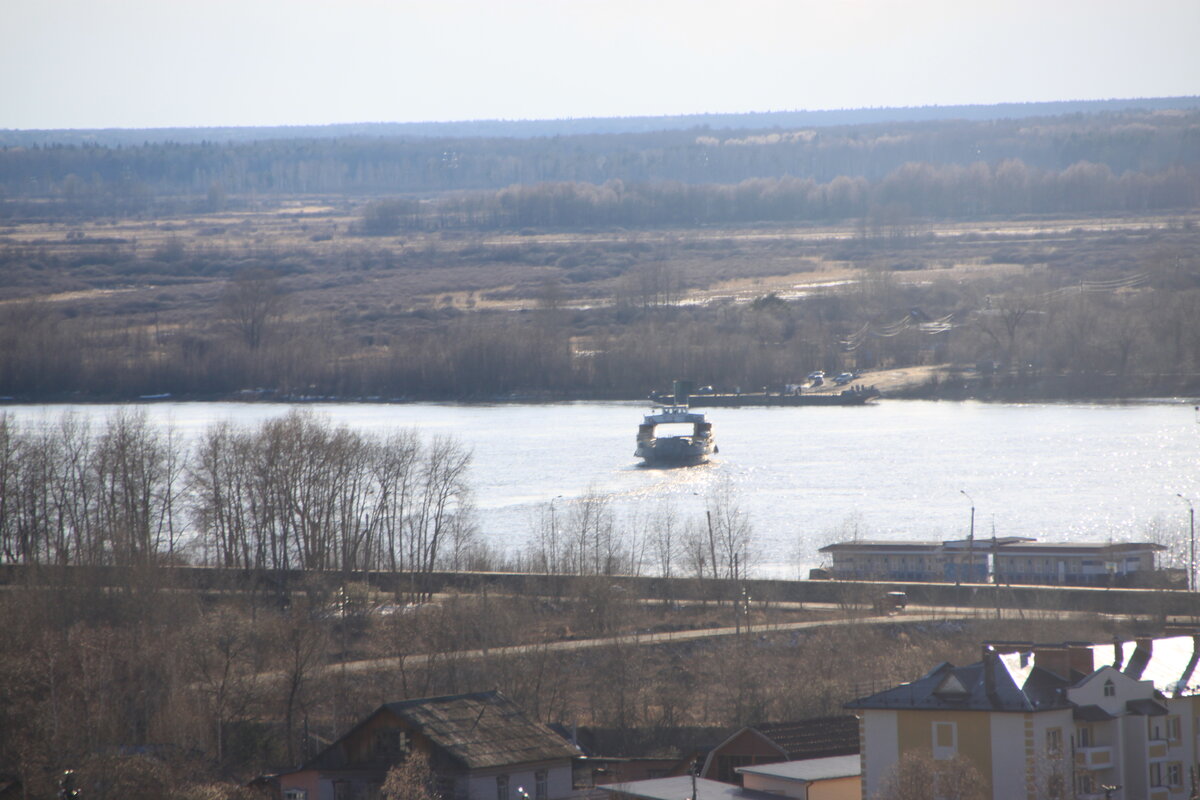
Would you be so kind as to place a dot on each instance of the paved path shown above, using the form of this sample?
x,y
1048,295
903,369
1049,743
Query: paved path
x,y
635,639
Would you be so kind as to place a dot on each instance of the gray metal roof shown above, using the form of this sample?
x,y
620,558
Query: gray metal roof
x,y
1170,663
881,544
1079,547
813,769
947,687
680,788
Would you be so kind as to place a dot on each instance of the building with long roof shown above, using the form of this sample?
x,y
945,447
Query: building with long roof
x,y
1007,559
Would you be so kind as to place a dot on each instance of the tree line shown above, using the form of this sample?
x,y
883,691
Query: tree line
x,y
299,493
294,493
913,193
1119,320
545,128
148,690
170,177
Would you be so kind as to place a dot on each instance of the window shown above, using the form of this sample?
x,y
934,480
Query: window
x,y
1174,774
295,794
1054,741
1110,688
391,744
541,785
1083,736
1173,733
1156,775
945,740
501,787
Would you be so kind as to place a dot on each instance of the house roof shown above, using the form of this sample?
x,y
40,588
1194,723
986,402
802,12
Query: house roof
x,y
680,788
479,730
1080,548
484,729
1014,686
813,738
1091,713
1170,664
813,769
881,544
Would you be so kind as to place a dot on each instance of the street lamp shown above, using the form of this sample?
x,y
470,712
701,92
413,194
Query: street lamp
x,y
970,537
1192,537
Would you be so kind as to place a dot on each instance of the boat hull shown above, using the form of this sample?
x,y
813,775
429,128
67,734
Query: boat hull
x,y
671,451
674,451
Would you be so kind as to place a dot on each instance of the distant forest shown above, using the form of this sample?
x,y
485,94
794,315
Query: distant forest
x,y
527,128
1112,161
165,267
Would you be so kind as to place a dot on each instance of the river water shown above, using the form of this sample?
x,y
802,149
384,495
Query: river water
x,y
807,476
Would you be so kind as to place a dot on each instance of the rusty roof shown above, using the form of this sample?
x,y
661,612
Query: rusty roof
x,y
813,738
478,731
484,729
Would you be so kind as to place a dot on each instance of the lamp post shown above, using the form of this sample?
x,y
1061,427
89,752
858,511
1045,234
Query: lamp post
x,y
1192,539
970,537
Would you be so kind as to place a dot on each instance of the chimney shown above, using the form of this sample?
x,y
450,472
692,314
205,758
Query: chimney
x,y
1118,652
1080,657
1144,647
988,664
1053,658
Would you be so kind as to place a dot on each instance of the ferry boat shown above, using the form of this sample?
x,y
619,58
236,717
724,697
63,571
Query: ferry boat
x,y
678,450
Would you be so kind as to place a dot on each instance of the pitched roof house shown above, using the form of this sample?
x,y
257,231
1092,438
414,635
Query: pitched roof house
x,y
1047,721
480,746
771,742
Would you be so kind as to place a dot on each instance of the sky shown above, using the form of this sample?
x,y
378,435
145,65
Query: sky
x,y
187,63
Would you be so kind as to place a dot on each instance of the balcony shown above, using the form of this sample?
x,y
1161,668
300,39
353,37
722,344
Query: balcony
x,y
1094,757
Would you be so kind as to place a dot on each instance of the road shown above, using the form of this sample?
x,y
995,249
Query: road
x,y
633,639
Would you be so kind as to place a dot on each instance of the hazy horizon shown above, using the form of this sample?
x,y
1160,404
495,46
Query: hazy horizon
x,y
505,120
76,64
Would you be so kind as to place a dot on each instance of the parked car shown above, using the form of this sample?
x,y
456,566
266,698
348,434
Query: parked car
x,y
819,373
891,601
843,379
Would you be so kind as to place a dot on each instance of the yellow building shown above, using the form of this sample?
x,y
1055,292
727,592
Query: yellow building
x,y
1075,720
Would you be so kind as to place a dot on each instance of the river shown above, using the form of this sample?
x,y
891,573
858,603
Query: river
x,y
806,476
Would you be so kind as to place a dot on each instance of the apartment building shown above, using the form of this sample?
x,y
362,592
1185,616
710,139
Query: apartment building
x,y
1116,721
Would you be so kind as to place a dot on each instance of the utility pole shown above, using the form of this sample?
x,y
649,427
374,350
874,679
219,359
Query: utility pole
x,y
1192,537
970,537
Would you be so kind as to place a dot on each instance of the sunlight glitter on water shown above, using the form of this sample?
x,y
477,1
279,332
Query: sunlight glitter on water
x,y
805,476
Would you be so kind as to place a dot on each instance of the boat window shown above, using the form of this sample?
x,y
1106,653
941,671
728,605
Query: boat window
x,y
673,429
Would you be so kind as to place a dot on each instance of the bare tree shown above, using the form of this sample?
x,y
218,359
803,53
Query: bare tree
x,y
251,302
731,536
918,776
411,779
